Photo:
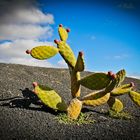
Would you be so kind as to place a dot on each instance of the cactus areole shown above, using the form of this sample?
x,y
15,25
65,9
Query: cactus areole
x,y
107,85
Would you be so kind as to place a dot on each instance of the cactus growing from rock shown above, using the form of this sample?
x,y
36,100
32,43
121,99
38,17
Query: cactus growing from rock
x,y
108,84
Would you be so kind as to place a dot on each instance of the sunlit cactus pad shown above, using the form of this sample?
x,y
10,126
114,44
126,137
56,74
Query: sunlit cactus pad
x,y
135,96
66,52
96,81
74,108
49,97
63,33
43,52
95,99
115,104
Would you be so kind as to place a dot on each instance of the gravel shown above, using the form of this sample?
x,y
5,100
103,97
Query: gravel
x,y
22,116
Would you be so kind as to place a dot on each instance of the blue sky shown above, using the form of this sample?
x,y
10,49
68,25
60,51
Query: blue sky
x,y
107,31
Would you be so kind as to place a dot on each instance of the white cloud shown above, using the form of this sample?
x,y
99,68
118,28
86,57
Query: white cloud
x,y
17,48
28,61
23,20
28,15
24,24
122,56
134,75
23,11
14,52
117,57
61,64
12,32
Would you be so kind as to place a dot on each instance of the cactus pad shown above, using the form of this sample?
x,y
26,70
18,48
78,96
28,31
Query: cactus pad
x,y
126,86
115,104
95,99
74,108
120,91
120,76
80,65
96,81
67,53
135,96
62,33
50,98
43,52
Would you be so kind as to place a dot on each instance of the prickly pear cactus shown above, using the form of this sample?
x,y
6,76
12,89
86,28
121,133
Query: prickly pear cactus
x,y
125,89
80,65
62,33
66,52
49,97
43,52
120,76
95,81
135,96
95,99
109,83
115,104
74,108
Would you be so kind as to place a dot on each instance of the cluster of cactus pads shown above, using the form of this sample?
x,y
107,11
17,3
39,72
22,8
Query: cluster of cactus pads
x,y
107,86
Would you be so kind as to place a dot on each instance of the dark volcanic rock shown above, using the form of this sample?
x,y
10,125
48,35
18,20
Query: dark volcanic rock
x,y
22,117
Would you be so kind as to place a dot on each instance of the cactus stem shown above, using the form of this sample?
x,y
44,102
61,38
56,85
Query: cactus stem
x,y
35,84
60,25
68,30
28,51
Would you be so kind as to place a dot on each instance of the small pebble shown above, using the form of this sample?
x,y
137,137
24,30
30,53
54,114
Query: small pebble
x,y
102,118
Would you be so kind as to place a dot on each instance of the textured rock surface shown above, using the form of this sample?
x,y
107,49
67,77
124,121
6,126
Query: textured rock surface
x,y
22,117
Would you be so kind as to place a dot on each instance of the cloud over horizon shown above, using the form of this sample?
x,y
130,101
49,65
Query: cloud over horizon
x,y
21,24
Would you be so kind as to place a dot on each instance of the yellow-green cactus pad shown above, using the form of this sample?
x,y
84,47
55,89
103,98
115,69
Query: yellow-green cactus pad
x,y
80,65
115,104
120,76
120,91
74,108
135,96
96,81
75,86
67,53
62,33
43,52
126,86
50,98
95,99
